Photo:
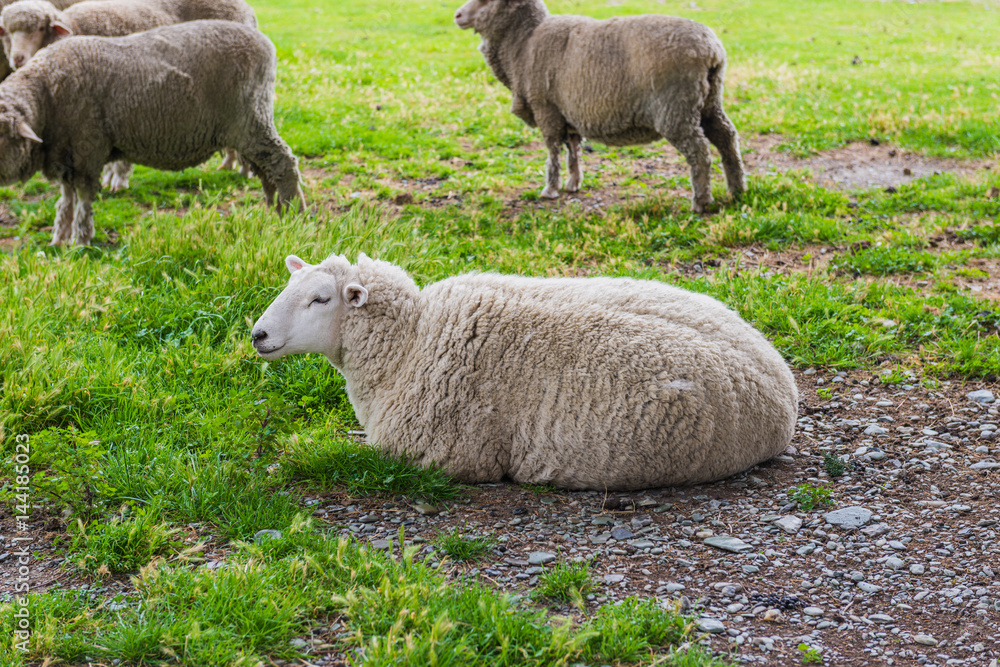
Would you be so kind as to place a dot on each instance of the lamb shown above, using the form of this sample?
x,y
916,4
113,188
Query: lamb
x,y
623,81
580,383
167,98
29,25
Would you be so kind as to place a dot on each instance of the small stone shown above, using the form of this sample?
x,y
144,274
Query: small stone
x,y
877,530
894,563
874,429
773,616
926,640
622,534
710,625
897,545
812,611
881,619
727,543
985,465
849,517
425,509
674,588
917,569
869,588
984,396
267,533
613,578
642,544
540,557
790,524
368,518
381,545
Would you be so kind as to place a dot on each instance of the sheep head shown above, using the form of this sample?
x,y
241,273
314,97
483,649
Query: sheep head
x,y
17,141
308,314
28,26
486,16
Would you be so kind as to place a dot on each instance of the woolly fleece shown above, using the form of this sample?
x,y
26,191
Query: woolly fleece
x,y
581,383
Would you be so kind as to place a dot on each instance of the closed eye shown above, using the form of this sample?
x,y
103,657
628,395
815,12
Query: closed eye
x,y
319,300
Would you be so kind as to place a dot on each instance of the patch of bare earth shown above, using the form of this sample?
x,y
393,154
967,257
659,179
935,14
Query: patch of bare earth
x,y
915,582
611,180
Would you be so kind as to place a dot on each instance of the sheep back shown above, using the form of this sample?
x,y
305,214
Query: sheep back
x,y
167,98
579,383
609,78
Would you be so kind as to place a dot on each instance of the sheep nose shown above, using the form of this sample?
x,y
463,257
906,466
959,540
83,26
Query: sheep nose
x,y
18,61
258,336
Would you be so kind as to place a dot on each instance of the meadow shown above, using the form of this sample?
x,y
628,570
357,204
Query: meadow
x,y
155,428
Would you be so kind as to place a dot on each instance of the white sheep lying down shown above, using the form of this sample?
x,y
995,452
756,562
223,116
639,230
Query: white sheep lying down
x,y
624,81
26,26
581,383
166,98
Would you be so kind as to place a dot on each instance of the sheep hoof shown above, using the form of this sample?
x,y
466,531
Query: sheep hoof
x,y
571,186
118,184
550,193
701,207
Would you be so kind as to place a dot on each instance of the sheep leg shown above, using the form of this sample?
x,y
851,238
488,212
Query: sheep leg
x,y
121,173
722,133
551,190
63,227
688,138
273,161
573,164
83,217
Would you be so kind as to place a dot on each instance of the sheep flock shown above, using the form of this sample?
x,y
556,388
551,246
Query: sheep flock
x,y
580,383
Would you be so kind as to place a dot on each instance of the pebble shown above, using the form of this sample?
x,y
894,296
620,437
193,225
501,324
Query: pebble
x,y
981,396
710,625
540,557
881,619
926,640
622,534
727,543
917,569
790,524
812,611
849,517
268,533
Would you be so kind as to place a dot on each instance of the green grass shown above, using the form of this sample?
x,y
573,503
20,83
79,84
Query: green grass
x,y
566,582
462,548
128,364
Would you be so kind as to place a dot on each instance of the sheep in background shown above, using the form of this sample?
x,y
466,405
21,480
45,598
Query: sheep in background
x,y
167,98
623,81
27,26
5,68
582,383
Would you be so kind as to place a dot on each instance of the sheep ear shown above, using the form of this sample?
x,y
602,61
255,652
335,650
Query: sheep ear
x,y
25,131
294,264
61,29
3,33
355,295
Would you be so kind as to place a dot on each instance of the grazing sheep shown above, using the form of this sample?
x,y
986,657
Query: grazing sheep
x,y
623,81
167,98
27,26
582,383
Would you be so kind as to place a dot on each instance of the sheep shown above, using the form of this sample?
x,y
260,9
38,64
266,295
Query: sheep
x,y
580,383
622,81
166,98
29,25
5,68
